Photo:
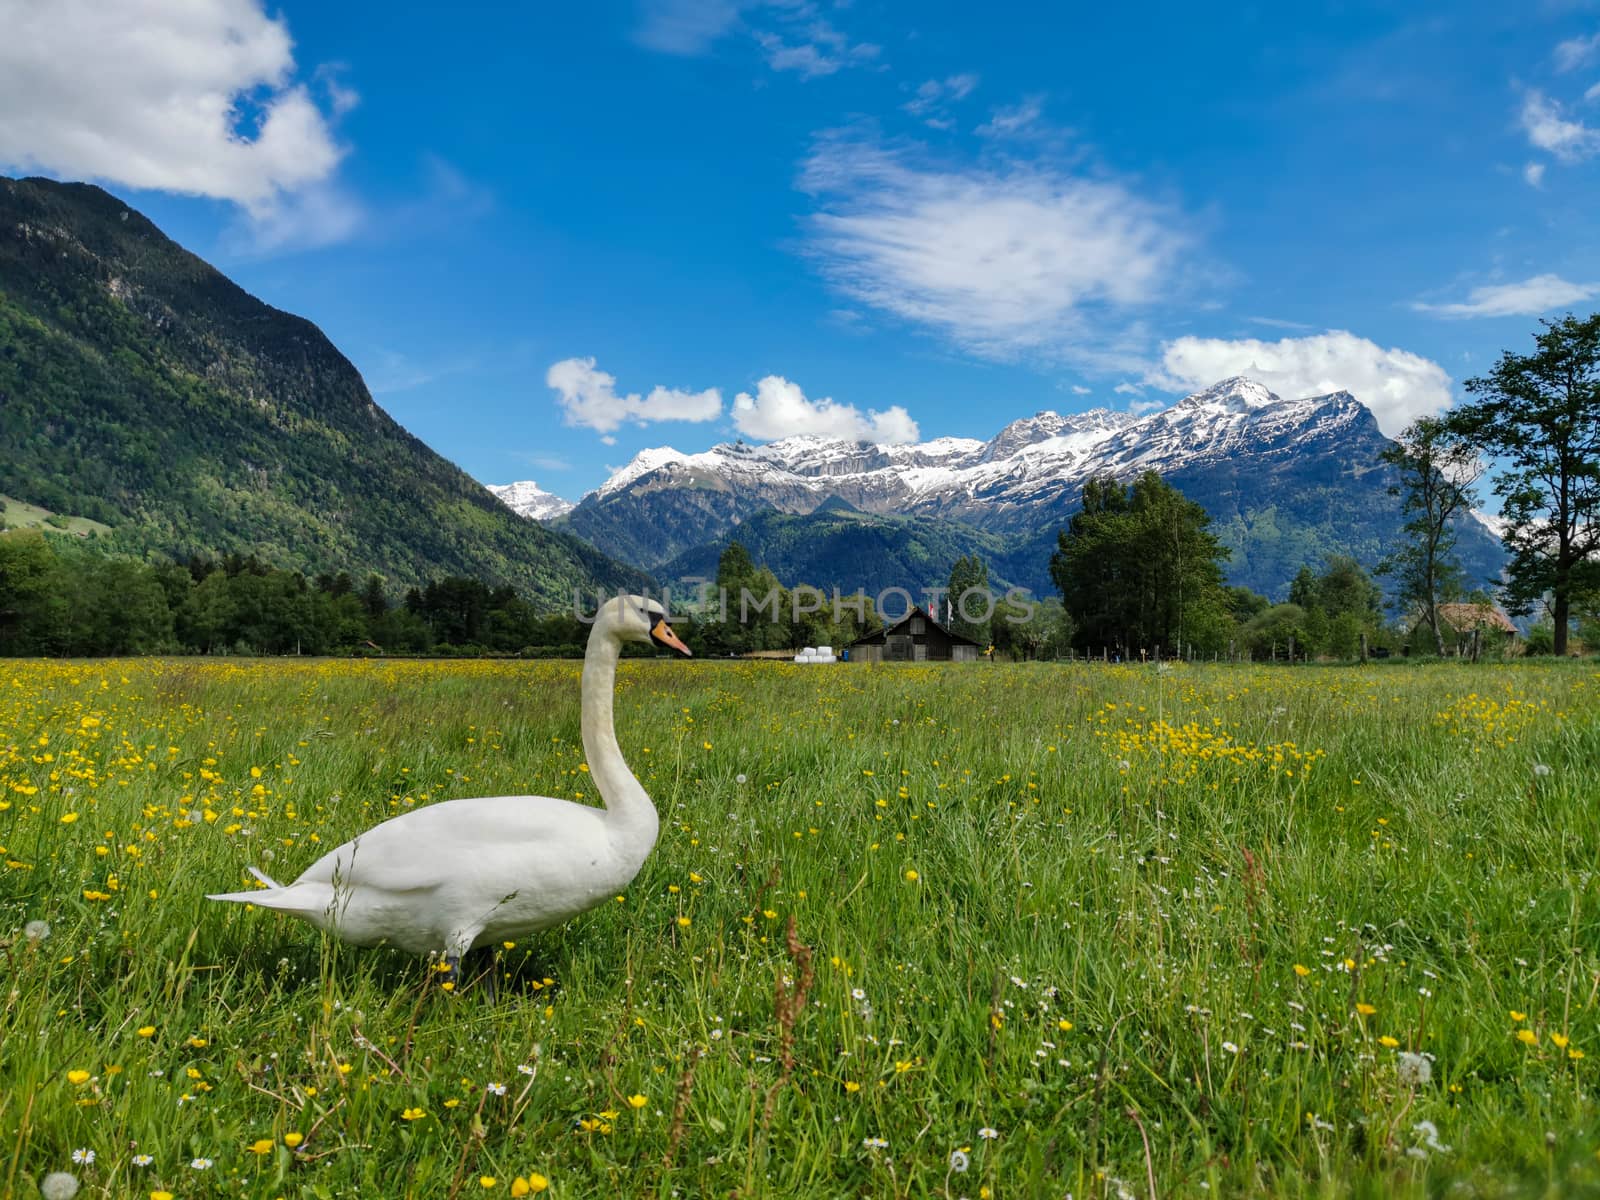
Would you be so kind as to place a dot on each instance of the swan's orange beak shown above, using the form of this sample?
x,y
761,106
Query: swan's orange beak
x,y
663,636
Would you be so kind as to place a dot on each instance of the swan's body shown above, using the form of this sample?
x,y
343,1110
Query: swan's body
x,y
467,873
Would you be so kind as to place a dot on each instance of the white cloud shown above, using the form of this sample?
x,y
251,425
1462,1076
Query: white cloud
x,y
589,398
1593,93
809,45
1533,173
1548,128
686,27
1003,261
1528,298
1012,121
819,50
192,96
933,95
1079,390
1396,385
780,409
1577,52
1139,407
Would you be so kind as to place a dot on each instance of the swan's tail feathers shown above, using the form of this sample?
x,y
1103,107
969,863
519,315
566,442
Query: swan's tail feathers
x,y
253,897
310,901
234,897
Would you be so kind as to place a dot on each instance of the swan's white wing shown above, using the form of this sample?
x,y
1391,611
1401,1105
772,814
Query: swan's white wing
x,y
440,845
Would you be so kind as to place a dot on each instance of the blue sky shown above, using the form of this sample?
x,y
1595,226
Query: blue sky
x,y
552,235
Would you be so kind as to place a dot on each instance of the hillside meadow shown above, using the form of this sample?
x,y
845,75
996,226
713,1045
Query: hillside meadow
x,y
935,931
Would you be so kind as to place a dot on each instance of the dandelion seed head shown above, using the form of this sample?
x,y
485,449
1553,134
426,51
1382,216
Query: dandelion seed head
x,y
58,1185
959,1161
1414,1071
36,931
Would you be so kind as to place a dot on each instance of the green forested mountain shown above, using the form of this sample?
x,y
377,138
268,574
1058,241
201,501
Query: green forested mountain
x,y
838,547
142,389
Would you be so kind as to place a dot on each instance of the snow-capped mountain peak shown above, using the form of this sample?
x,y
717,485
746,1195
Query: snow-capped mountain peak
x,y
527,499
1237,394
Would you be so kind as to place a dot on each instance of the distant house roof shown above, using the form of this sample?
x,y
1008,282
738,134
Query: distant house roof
x,y
901,626
1464,617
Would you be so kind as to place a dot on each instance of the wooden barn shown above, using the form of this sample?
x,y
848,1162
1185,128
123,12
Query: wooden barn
x,y
916,637
1458,621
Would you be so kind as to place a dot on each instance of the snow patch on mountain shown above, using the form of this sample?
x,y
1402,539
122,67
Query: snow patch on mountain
x,y
527,499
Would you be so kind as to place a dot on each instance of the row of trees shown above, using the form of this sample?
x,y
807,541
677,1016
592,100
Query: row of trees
x,y
63,601
748,610
1140,573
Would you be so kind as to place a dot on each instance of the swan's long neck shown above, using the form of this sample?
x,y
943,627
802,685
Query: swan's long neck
x,y
629,812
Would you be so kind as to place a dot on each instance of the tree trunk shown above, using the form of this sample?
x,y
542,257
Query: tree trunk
x,y
1562,613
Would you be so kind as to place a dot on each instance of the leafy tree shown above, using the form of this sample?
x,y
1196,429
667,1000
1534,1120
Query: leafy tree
x,y
1272,632
373,598
969,575
1539,416
1303,588
1345,589
127,610
32,600
1043,632
1437,472
1138,568
207,614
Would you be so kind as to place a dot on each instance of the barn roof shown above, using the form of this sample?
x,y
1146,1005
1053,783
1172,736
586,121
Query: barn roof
x,y
878,639
1462,617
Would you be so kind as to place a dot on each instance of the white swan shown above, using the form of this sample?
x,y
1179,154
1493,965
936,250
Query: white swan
x,y
467,873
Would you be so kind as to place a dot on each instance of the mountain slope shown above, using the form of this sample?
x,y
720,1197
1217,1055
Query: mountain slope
x,y
141,388
837,547
1286,481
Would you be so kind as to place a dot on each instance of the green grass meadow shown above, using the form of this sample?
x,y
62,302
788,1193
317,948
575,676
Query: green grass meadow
x,y
945,931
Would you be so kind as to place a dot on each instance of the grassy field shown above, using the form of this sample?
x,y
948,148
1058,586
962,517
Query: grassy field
x,y
14,514
981,931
